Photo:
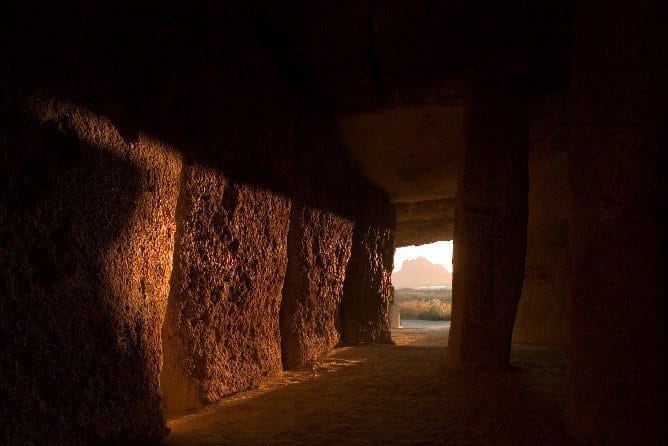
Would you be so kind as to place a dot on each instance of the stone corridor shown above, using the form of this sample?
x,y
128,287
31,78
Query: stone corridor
x,y
401,395
200,203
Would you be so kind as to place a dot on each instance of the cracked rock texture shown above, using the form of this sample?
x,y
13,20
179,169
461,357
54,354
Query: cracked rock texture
x,y
86,248
368,291
424,221
221,333
319,248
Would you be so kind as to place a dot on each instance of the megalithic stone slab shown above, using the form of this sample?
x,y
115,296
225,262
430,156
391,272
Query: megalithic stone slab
x,y
490,230
221,333
319,245
85,259
365,312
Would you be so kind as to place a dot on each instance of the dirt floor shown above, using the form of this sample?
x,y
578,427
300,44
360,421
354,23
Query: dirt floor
x,y
388,394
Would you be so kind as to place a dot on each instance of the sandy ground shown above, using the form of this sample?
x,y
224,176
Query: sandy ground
x,y
388,394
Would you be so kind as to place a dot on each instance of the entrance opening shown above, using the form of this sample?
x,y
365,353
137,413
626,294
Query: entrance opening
x,y
422,281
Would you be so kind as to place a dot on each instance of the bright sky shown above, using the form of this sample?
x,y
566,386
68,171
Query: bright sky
x,y
439,253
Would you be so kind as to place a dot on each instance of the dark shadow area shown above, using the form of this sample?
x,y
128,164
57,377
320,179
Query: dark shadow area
x,y
199,78
216,80
72,342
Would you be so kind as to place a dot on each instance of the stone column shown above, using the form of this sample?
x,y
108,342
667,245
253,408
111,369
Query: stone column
x,y
221,332
86,245
319,244
542,314
367,290
490,230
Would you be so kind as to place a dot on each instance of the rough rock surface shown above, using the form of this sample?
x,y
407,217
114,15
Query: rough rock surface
x,y
319,245
425,221
86,248
411,152
618,326
490,230
542,314
221,332
368,289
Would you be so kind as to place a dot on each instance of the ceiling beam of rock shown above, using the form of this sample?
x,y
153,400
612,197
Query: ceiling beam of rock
x,y
424,222
411,152
399,77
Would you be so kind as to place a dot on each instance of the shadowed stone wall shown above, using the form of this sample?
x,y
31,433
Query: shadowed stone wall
x,y
542,314
89,217
490,230
333,201
88,224
617,110
367,292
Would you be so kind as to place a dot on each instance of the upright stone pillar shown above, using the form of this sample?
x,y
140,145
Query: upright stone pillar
x,y
367,290
221,333
319,245
490,230
86,243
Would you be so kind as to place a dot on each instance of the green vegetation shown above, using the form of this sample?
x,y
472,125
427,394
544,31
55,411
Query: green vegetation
x,y
425,304
406,294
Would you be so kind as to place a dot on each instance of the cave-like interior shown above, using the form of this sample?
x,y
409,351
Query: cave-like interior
x,y
199,196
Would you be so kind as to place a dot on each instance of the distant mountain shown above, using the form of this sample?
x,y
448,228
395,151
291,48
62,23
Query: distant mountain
x,y
420,272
